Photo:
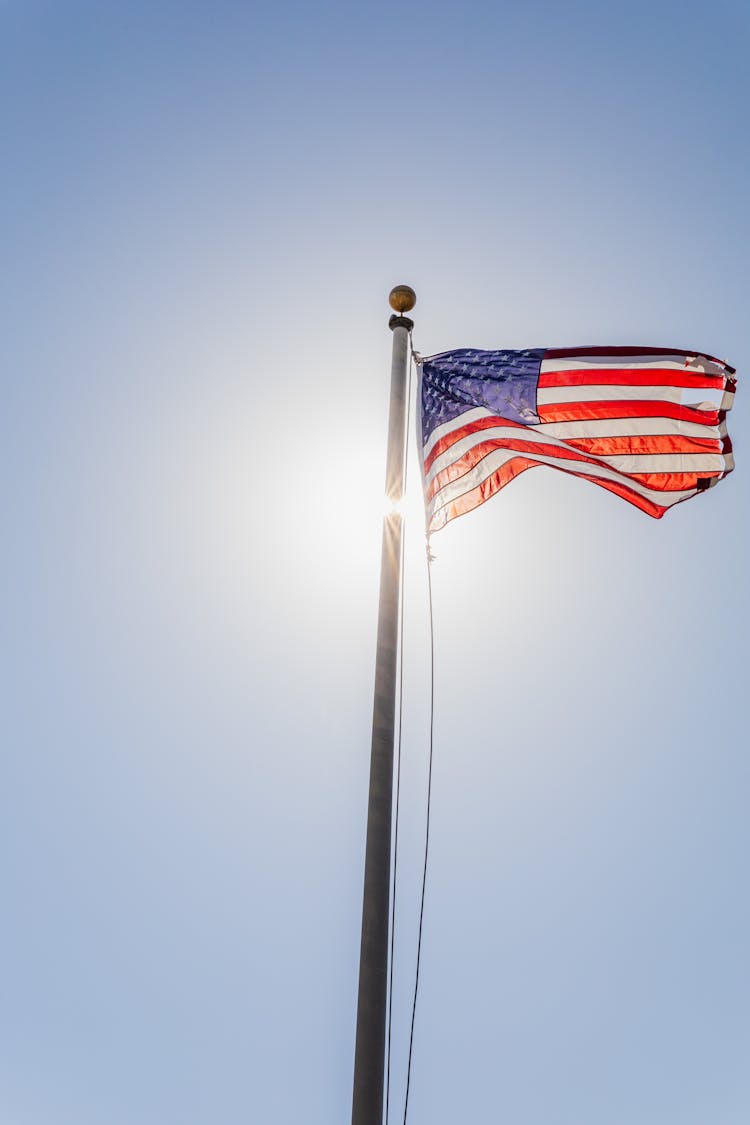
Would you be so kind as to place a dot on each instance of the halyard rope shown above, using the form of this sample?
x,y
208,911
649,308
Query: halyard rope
x,y
415,358
427,825
398,752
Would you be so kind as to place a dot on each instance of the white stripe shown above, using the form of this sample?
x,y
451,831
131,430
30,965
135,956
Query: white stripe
x,y
497,433
666,463
498,458
454,424
588,393
593,428
630,427
556,432
623,463
697,365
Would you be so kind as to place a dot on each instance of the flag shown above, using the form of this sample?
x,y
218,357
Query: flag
x,y
633,420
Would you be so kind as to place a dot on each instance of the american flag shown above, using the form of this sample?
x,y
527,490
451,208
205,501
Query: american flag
x,y
636,421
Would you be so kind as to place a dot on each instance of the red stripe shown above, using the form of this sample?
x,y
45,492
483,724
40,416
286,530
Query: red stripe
x,y
647,506
506,473
470,500
478,452
629,377
451,438
595,447
591,411
672,482
463,465
648,444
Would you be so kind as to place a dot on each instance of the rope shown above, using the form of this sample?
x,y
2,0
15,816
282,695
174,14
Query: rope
x,y
398,754
414,358
427,825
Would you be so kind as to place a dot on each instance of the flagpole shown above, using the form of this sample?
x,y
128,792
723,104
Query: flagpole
x,y
369,1053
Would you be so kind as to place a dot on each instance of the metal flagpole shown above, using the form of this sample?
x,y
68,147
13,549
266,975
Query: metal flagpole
x,y
369,1054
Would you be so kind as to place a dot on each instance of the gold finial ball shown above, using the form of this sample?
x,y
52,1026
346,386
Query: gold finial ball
x,y
402,298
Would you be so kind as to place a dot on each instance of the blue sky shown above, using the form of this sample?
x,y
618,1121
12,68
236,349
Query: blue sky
x,y
203,210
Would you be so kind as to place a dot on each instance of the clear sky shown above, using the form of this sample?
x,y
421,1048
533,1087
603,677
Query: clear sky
x,y
203,209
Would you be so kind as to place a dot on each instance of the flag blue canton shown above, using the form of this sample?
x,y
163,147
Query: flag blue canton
x,y
505,382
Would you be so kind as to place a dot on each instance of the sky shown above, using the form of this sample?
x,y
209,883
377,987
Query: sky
x,y
203,210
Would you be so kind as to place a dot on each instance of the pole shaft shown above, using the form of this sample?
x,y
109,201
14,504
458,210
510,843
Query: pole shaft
x,y
369,1056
